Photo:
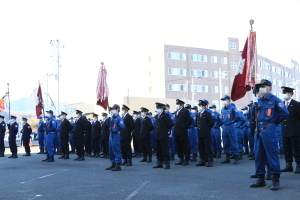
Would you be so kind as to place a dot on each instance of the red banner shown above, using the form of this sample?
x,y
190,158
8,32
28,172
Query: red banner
x,y
39,107
102,89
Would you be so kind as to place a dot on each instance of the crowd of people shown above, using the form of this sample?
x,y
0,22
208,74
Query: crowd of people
x,y
264,128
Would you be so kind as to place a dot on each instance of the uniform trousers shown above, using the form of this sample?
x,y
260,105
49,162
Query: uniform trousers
x,y
291,148
115,148
146,147
182,146
65,145
12,143
162,150
126,148
26,145
80,146
205,150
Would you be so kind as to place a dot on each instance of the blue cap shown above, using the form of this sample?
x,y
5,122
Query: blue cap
x,y
213,106
49,111
71,118
195,108
167,105
245,108
265,82
179,102
40,117
149,113
203,102
225,97
188,106
115,106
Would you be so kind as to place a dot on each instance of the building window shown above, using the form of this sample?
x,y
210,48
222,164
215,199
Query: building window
x,y
224,89
200,73
286,74
232,45
290,75
279,83
259,64
224,60
233,65
200,88
274,69
214,74
176,56
214,59
224,74
176,71
177,87
199,58
215,89
266,66
280,71
274,82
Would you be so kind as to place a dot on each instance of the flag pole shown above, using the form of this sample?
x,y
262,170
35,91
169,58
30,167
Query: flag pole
x,y
43,101
8,101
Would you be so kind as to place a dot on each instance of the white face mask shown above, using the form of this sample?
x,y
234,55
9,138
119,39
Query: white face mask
x,y
245,111
78,116
159,111
103,118
200,109
177,107
62,117
123,112
286,97
113,112
142,114
224,103
212,110
193,111
95,119
263,91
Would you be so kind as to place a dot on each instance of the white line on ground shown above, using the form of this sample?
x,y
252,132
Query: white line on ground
x,y
43,176
135,192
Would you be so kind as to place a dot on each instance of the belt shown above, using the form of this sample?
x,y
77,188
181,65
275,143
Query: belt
x,y
228,124
50,132
262,123
266,126
114,132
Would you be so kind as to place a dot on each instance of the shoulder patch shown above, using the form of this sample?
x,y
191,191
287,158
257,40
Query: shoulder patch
x,y
53,122
16,126
280,105
121,122
212,114
28,126
220,116
236,110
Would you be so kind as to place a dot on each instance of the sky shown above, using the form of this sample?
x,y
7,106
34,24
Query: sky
x,y
122,34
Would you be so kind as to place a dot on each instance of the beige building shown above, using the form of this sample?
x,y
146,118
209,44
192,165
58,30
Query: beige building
x,y
70,109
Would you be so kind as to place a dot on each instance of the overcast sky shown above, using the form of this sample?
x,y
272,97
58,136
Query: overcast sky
x,y
120,33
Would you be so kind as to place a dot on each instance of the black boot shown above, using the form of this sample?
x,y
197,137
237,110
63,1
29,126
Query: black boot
x,y
180,162
27,154
144,159
251,154
15,156
201,163
167,166
232,156
40,151
103,156
97,155
260,181
81,158
227,159
194,158
288,167
297,171
51,159
241,156
124,162
268,176
253,176
138,155
185,163
12,155
113,165
159,165
66,157
62,157
252,158
149,159
246,151
2,154
172,157
209,163
236,160
117,168
129,163
275,182
47,158
88,154
78,157
219,155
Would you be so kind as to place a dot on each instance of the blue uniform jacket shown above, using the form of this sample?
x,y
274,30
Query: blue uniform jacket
x,y
241,122
116,124
230,114
51,125
41,126
193,116
217,119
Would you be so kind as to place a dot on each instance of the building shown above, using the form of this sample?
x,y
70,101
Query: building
x,y
86,108
195,73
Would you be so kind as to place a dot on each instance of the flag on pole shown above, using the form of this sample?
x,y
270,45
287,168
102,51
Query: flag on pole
x,y
39,102
245,77
2,102
102,88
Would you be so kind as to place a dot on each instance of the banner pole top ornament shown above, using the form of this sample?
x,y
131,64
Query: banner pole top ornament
x,y
102,64
251,23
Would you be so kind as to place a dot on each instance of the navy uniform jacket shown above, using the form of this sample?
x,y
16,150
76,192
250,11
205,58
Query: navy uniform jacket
x,y
291,125
146,128
183,122
137,127
96,130
26,131
65,129
80,128
13,128
129,126
204,123
163,126
105,129
88,131
2,127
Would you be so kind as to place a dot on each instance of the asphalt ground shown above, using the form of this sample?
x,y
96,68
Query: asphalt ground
x,y
30,178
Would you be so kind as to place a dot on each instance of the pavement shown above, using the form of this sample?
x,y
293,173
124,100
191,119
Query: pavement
x,y
30,178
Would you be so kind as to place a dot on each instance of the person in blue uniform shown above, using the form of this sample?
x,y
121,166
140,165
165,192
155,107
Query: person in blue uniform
x,y
290,128
152,133
171,135
71,136
26,132
246,131
163,127
145,137
50,129
192,133
230,115
57,143
239,125
204,123
65,128
105,125
41,137
183,122
116,125
13,131
136,134
270,112
2,135
216,132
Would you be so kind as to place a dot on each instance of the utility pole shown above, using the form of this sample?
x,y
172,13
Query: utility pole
x,y
58,45
220,88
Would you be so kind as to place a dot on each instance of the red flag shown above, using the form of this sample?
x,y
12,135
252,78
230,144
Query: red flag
x,y
245,78
2,102
39,102
102,88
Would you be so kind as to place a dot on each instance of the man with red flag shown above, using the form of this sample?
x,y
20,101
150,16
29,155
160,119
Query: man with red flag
x,y
102,88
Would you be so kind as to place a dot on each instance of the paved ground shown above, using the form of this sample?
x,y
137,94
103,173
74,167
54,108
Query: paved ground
x,y
29,178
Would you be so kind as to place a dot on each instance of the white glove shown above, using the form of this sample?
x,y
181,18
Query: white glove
x,y
255,99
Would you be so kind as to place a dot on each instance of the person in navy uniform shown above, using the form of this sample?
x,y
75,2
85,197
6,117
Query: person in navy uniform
x,y
183,121
96,135
65,129
13,131
50,129
26,132
290,128
87,137
2,135
163,127
79,130
216,132
116,125
71,136
270,112
152,133
230,115
105,124
41,137
171,136
145,137
136,134
126,136
192,134
204,123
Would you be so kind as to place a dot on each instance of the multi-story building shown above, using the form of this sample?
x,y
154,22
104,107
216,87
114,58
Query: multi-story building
x,y
196,73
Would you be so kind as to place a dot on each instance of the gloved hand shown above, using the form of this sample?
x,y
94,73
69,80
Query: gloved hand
x,y
255,99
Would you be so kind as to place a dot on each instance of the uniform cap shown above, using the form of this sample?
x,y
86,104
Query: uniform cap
x,y
225,97
245,108
143,109
265,82
115,106
49,111
63,113
24,118
149,113
188,106
159,105
203,102
195,108
104,114
179,102
287,90
13,117
1,116
125,107
78,112
167,105
213,106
